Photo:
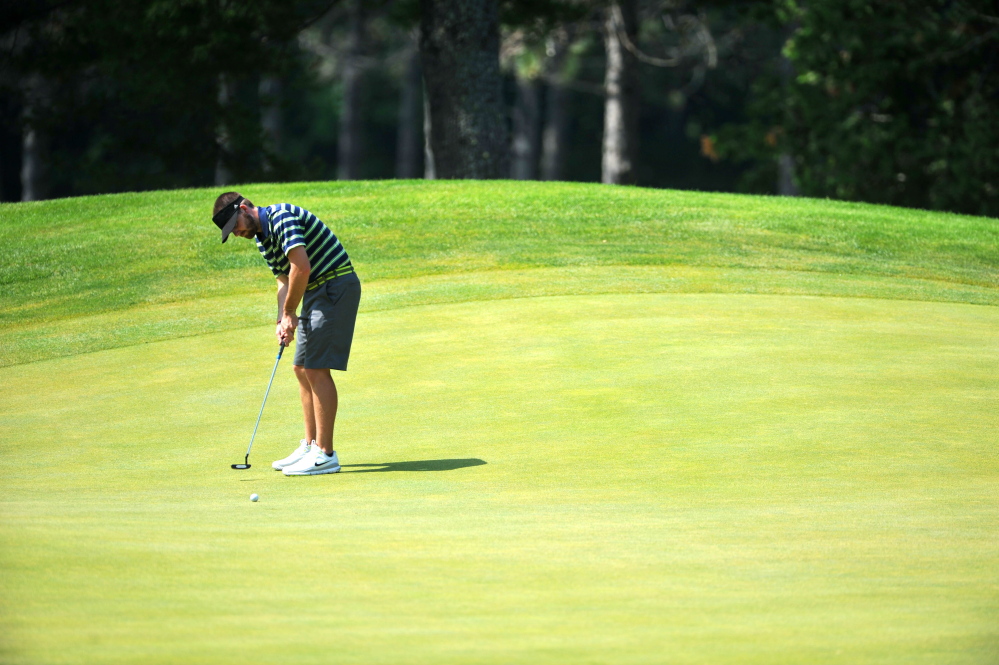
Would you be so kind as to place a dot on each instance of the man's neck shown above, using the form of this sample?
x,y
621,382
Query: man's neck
x,y
263,226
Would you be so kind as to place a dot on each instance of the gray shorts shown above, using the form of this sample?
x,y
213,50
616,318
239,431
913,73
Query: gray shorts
x,y
326,327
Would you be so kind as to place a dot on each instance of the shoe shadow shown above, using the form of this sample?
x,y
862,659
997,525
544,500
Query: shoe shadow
x,y
422,465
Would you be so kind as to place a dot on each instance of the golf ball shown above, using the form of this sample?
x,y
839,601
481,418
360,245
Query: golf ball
x,y
254,497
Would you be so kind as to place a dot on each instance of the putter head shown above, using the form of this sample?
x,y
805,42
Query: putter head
x,y
241,466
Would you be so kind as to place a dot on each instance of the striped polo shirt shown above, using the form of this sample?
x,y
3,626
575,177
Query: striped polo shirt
x,y
284,226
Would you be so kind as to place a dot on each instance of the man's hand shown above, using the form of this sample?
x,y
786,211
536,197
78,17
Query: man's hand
x,y
286,329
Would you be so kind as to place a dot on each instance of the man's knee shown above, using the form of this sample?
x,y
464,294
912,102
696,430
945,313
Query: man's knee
x,y
301,373
315,375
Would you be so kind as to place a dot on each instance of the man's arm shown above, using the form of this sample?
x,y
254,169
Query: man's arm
x,y
290,292
282,293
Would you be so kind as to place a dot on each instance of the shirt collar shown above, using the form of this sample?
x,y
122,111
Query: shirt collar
x,y
265,223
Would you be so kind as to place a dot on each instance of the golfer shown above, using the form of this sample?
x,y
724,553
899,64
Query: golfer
x,y
312,268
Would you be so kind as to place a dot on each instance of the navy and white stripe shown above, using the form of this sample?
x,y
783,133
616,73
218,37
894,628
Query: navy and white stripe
x,y
284,227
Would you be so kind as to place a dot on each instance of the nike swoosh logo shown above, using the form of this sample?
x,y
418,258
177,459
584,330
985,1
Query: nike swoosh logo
x,y
324,463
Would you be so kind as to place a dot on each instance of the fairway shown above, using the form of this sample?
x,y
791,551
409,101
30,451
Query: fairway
x,y
599,478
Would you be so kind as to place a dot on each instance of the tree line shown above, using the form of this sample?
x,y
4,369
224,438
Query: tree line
x,y
888,102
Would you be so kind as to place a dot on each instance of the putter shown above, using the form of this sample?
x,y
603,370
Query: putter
x,y
246,462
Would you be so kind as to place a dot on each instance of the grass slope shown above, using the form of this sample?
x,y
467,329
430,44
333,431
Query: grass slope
x,y
674,450
100,272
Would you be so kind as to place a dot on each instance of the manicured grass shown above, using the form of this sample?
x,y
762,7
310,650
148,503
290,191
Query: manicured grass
x,y
595,479
742,430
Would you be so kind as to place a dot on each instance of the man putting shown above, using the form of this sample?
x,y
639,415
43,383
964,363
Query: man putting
x,y
312,268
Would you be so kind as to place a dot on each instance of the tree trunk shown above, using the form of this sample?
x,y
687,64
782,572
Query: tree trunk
x,y
271,121
223,175
349,140
785,161
785,176
34,143
621,90
526,130
407,155
34,165
459,47
429,172
556,131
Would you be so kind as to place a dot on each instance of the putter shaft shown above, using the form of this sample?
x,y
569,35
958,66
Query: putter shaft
x,y
269,383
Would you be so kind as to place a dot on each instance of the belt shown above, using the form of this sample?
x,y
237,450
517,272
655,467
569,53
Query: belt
x,y
332,274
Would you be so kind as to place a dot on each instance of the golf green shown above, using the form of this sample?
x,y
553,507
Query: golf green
x,y
615,478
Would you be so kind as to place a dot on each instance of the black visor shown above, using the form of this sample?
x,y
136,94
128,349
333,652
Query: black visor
x,y
225,218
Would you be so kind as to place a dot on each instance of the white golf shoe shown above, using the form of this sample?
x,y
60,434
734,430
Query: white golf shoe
x,y
314,463
304,447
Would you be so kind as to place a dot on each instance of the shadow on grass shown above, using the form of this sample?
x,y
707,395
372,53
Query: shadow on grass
x,y
422,465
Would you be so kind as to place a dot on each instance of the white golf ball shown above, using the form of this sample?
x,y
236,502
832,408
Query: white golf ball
x,y
254,497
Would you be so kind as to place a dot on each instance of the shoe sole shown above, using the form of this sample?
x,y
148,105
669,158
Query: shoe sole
x,y
314,472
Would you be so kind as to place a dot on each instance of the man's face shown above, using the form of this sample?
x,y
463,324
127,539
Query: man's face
x,y
247,225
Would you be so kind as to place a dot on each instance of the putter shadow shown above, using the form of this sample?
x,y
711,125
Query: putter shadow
x,y
421,465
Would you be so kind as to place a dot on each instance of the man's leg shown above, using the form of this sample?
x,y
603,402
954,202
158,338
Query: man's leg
x,y
324,403
308,410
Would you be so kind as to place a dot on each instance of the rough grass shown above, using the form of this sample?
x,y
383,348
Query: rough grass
x,y
122,258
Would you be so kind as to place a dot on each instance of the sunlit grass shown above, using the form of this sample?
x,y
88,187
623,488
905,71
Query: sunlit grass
x,y
720,478
117,255
582,424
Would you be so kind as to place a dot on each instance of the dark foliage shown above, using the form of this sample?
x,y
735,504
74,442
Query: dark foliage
x,y
891,102
128,91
